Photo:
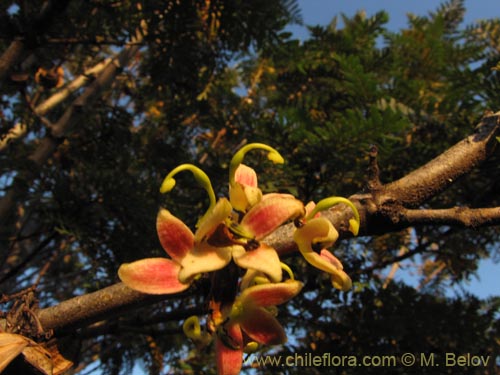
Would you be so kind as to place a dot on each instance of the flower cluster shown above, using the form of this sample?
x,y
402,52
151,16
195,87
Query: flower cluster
x,y
246,273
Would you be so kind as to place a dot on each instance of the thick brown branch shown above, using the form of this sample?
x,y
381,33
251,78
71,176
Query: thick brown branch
x,y
379,213
427,181
92,307
460,216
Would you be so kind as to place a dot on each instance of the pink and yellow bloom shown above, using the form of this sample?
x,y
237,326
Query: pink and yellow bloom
x,y
231,236
195,253
249,319
316,231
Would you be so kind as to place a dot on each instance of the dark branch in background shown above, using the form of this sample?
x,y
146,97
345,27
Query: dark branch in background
x,y
37,27
73,116
384,209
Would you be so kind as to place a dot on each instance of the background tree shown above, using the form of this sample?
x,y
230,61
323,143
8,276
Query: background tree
x,y
150,85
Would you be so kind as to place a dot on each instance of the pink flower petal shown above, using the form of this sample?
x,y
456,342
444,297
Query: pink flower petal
x,y
245,175
229,359
264,259
267,215
204,258
262,327
340,279
331,258
152,276
269,294
175,237
244,193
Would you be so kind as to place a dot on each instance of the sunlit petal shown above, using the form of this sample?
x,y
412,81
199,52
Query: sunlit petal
x,y
264,259
244,193
318,230
245,175
267,215
229,350
269,294
204,258
262,327
175,237
340,279
152,276
212,219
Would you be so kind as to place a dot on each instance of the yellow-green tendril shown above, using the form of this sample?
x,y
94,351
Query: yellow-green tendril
x,y
251,347
326,203
236,310
192,328
288,270
237,159
201,178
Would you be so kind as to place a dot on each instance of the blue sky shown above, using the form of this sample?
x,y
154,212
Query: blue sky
x,y
321,12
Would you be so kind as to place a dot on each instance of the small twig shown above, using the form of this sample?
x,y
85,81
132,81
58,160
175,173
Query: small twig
x,y
394,268
373,170
432,276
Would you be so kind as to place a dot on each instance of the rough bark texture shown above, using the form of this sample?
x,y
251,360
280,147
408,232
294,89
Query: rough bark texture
x,y
383,209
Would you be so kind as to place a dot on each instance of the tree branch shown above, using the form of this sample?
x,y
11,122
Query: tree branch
x,y
68,121
36,27
378,210
88,308
459,216
434,177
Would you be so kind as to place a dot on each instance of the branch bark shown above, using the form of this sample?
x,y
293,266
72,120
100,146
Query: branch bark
x,y
65,125
37,27
381,210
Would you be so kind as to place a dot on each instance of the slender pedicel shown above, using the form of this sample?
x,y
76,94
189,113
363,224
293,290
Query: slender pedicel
x,y
237,159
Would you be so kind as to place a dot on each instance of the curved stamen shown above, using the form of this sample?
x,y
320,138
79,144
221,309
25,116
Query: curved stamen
x,y
192,328
237,159
201,178
288,270
329,202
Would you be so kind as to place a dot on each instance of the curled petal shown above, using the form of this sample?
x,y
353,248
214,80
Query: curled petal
x,y
317,230
175,237
229,350
340,279
204,258
152,276
267,215
209,223
320,230
263,259
262,327
271,294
